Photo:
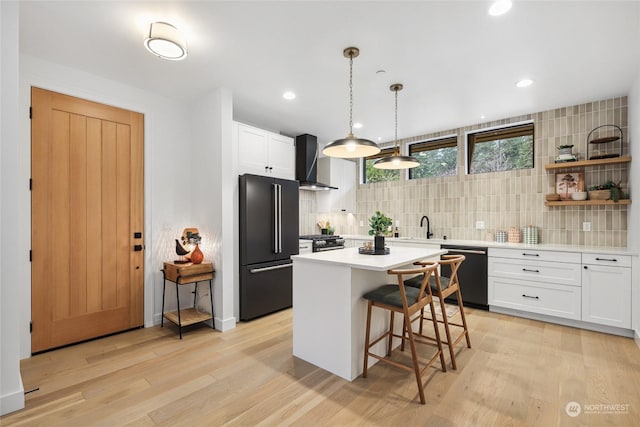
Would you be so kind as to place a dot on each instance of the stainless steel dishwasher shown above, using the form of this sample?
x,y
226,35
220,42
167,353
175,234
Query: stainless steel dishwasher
x,y
472,275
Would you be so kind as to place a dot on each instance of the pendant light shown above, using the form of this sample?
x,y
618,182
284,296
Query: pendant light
x,y
396,161
351,147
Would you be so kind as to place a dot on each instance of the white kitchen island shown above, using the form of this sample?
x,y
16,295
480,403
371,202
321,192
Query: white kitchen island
x,y
329,313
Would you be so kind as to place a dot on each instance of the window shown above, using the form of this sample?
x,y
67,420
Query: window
x,y
437,158
500,149
371,174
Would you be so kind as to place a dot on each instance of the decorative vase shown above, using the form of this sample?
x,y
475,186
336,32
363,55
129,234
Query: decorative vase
x,y
197,256
379,243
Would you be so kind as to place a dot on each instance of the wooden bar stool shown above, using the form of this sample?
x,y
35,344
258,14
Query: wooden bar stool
x,y
408,301
441,288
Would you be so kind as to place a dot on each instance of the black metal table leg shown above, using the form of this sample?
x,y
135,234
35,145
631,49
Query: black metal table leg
x,y
213,319
178,301
164,287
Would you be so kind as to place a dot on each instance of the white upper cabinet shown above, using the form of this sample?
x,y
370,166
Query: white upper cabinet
x,y
339,173
261,152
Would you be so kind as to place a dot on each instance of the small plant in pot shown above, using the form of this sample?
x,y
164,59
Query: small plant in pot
x,y
379,224
565,149
613,189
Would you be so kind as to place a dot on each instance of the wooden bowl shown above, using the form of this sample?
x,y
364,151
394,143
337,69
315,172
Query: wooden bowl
x,y
552,197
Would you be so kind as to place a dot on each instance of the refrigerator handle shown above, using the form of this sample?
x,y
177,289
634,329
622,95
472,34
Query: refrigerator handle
x,y
279,218
275,218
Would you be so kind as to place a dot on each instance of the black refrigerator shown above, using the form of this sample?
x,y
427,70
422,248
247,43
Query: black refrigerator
x,y
268,237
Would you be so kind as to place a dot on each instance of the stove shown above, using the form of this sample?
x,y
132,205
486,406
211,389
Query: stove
x,y
324,242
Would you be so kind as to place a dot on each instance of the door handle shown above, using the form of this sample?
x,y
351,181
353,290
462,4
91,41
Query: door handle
x,y
465,251
531,271
526,254
607,259
529,296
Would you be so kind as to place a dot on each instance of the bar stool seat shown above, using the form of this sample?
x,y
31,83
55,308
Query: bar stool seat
x,y
441,288
407,300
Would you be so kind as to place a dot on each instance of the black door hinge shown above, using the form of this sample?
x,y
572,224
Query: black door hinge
x,y
30,255
30,184
30,327
30,112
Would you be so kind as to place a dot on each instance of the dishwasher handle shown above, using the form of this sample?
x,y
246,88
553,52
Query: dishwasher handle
x,y
465,251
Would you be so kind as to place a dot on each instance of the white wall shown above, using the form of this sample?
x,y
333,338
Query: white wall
x,y
633,238
11,280
167,181
213,187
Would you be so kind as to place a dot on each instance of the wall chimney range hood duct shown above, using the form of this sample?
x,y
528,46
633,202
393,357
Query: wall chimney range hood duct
x,y
307,164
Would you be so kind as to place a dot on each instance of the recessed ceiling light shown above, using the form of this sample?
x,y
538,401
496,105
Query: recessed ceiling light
x,y
524,83
482,116
289,95
499,7
357,125
379,138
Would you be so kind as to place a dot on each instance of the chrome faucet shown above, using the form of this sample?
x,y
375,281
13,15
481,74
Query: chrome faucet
x,y
429,233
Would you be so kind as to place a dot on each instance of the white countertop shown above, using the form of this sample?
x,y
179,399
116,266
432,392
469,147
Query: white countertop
x,y
349,257
487,244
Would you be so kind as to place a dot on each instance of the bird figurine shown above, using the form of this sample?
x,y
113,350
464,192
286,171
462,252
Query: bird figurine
x,y
181,251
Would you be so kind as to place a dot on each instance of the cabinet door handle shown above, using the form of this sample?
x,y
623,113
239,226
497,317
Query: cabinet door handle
x,y
531,271
529,296
526,254
585,267
607,259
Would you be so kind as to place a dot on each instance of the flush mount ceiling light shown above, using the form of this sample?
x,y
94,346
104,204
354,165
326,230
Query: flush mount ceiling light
x,y
524,83
396,161
499,7
289,95
351,147
164,40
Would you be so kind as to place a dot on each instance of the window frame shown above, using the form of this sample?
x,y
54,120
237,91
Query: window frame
x,y
492,133
444,141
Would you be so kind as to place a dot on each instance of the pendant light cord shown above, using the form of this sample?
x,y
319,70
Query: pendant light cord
x,y
351,95
397,150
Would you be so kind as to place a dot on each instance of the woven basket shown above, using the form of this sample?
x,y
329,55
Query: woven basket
x,y
599,194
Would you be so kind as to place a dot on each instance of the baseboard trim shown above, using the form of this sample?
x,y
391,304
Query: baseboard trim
x,y
636,338
629,333
227,324
13,401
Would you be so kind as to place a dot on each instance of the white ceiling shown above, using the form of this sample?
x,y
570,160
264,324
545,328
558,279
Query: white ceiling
x,y
456,62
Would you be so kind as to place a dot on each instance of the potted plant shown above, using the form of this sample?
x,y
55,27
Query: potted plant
x,y
565,149
380,224
606,191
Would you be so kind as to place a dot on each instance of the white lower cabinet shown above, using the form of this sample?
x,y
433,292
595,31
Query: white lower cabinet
x,y
588,287
530,281
606,290
542,298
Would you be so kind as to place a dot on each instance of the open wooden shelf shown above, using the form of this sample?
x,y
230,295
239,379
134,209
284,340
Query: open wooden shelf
x,y
583,163
588,202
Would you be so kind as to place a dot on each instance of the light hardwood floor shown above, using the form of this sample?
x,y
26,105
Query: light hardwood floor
x,y
518,373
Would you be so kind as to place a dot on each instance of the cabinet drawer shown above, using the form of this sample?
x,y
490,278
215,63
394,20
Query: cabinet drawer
x,y
538,271
607,259
541,298
538,255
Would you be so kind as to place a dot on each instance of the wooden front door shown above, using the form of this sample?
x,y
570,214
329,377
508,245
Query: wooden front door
x,y
86,208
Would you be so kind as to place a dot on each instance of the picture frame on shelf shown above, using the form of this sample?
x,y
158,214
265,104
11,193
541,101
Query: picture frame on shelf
x,y
569,182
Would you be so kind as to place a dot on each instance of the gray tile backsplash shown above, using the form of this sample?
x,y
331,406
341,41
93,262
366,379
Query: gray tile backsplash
x,y
500,199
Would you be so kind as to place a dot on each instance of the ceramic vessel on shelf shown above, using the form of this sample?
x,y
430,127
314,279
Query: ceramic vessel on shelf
x,y
579,195
600,194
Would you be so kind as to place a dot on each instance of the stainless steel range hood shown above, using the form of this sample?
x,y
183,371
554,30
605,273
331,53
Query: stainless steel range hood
x,y
307,164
